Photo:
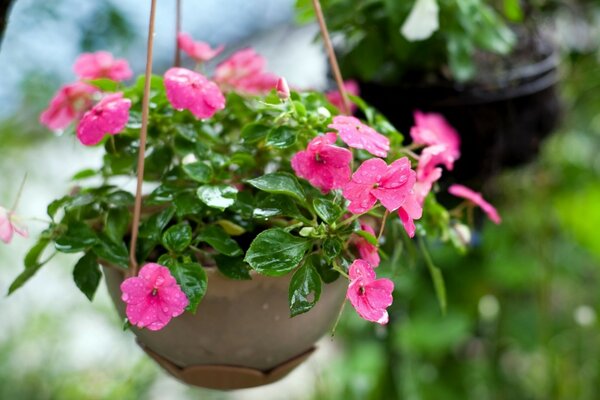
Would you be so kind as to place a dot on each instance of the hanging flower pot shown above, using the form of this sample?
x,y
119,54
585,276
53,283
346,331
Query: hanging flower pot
x,y
502,117
241,334
257,209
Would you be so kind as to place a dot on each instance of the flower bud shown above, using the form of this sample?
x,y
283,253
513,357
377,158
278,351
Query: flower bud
x,y
283,90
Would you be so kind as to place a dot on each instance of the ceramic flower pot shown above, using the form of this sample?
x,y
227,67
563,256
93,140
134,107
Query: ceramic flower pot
x,y
241,335
502,116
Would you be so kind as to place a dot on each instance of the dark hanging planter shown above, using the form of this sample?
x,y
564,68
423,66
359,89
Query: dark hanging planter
x,y
501,117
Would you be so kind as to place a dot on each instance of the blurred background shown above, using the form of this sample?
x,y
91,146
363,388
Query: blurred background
x,y
522,317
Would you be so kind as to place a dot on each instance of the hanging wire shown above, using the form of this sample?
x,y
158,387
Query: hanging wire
x,y
133,266
177,61
332,58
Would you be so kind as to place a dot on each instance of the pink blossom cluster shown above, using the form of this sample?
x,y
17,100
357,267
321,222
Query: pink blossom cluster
x,y
75,101
395,186
244,71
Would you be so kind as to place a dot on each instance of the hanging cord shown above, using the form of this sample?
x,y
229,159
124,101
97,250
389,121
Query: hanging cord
x,y
177,61
137,210
332,58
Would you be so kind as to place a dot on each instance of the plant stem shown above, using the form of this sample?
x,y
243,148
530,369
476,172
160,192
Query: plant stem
x,y
339,317
385,215
19,193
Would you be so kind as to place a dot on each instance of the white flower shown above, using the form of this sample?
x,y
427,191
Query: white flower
x,y
422,21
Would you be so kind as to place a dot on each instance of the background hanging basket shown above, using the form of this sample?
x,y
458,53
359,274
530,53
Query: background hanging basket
x,y
242,334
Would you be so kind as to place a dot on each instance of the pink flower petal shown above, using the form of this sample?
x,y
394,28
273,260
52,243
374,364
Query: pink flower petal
x,y
477,199
360,136
432,129
102,64
335,97
189,90
109,116
369,296
366,250
244,71
153,297
68,104
199,51
323,164
410,210
6,228
396,184
375,180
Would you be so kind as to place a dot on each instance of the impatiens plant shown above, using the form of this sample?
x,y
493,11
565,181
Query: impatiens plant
x,y
243,175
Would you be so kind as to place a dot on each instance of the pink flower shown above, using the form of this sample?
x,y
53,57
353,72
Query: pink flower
x,y
102,64
153,297
8,226
244,71
110,116
425,181
375,180
369,296
323,164
283,90
189,90
432,129
335,97
410,210
360,136
199,51
477,199
366,250
69,103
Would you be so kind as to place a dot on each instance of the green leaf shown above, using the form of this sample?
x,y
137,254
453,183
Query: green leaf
x,y
513,10
178,237
233,267
220,241
217,196
332,247
79,237
152,228
275,252
460,57
32,264
117,223
187,204
199,171
324,269
305,289
275,205
120,198
327,210
281,137
254,132
104,84
57,205
113,252
436,276
191,277
368,237
279,183
84,174
87,274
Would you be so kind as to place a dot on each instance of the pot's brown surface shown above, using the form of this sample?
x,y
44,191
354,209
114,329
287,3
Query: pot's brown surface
x,y
241,335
